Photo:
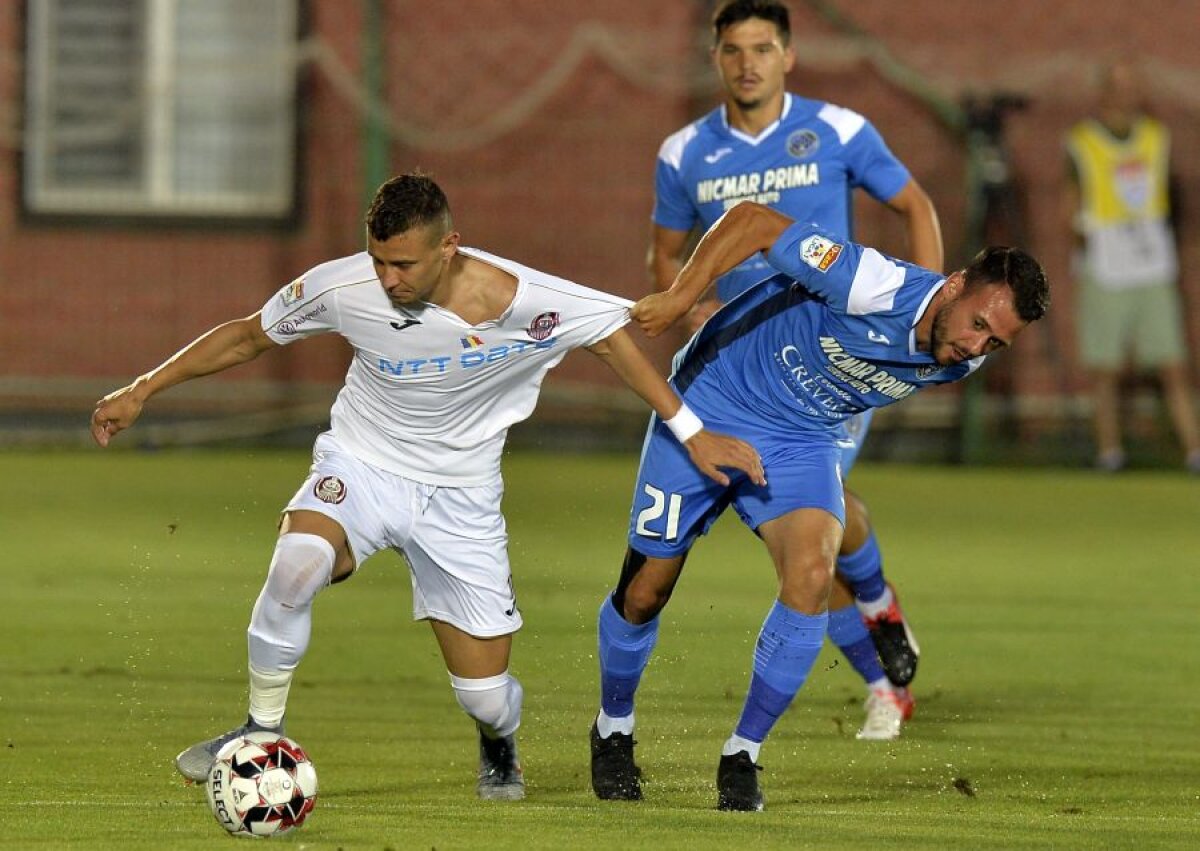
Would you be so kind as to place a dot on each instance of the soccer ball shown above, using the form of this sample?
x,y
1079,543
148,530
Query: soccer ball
x,y
262,784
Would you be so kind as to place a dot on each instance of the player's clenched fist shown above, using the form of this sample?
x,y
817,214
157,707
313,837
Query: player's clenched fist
x,y
115,412
658,312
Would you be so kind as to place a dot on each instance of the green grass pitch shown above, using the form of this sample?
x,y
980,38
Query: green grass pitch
x,y
1058,694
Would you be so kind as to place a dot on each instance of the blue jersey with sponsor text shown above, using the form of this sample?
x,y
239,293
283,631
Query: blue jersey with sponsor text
x,y
829,335
805,165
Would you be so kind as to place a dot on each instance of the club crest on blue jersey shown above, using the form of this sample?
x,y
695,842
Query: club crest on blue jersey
x,y
802,144
543,325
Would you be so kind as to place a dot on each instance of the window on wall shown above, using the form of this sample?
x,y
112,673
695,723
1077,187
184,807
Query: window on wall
x,y
172,108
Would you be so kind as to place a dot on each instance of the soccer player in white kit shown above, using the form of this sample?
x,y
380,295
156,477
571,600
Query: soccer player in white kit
x,y
450,348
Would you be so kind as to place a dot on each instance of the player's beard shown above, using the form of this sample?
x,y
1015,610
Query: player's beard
x,y
937,334
749,105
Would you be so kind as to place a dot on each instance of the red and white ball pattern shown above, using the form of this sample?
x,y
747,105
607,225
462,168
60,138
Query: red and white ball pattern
x,y
262,784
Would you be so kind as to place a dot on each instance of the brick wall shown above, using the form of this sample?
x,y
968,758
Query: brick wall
x,y
568,187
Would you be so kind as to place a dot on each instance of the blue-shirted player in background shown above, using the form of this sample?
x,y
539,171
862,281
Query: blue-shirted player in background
x,y
839,330
804,158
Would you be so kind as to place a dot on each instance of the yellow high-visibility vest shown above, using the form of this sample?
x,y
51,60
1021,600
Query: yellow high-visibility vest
x,y
1124,203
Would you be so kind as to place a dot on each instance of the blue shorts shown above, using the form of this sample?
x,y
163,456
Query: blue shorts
x,y
674,503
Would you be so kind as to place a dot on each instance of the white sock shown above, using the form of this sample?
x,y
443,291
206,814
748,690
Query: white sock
x,y
873,608
881,684
736,743
268,695
606,725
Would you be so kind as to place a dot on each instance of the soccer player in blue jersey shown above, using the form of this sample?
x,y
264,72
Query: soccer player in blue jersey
x,y
805,158
839,329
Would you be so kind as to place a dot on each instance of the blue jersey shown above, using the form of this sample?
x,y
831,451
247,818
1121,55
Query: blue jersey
x,y
829,335
786,366
854,435
805,165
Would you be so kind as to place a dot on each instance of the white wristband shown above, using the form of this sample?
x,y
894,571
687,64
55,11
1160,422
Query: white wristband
x,y
684,425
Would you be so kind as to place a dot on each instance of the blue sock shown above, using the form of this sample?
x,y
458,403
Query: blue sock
x,y
625,649
849,633
787,646
863,570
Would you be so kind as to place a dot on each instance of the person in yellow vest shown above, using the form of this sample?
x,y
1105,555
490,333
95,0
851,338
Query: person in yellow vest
x,y
1119,208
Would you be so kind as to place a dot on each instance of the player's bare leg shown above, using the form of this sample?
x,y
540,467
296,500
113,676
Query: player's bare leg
x,y
310,553
628,630
489,694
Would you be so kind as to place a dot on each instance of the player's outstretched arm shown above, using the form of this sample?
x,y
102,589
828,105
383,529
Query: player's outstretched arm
x,y
708,450
743,230
226,345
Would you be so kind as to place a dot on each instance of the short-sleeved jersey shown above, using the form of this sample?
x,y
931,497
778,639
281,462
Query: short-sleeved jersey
x,y
831,334
805,165
428,396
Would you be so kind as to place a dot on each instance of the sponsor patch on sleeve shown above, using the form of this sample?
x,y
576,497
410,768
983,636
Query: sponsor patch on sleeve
x,y
293,292
819,252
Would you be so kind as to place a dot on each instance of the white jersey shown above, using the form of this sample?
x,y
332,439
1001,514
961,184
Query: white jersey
x,y
428,396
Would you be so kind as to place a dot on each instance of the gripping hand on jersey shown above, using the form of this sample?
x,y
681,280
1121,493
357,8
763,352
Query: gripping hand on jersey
x,y
657,312
711,451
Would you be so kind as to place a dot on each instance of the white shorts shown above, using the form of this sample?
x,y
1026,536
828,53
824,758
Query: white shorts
x,y
454,539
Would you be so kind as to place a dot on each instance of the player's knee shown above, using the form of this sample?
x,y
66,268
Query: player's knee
x,y
494,702
644,600
301,566
805,585
641,594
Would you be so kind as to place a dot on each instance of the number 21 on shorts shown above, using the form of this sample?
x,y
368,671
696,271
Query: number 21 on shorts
x,y
662,504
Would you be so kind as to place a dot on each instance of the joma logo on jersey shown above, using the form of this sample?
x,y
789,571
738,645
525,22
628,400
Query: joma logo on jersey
x,y
465,360
754,182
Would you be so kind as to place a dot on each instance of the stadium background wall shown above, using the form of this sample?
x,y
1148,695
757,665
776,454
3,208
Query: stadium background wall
x,y
543,129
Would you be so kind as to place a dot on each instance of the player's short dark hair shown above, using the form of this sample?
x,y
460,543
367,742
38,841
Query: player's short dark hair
x,y
999,264
405,202
735,11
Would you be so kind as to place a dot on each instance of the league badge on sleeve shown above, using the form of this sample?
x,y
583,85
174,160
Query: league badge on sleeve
x,y
819,252
293,292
